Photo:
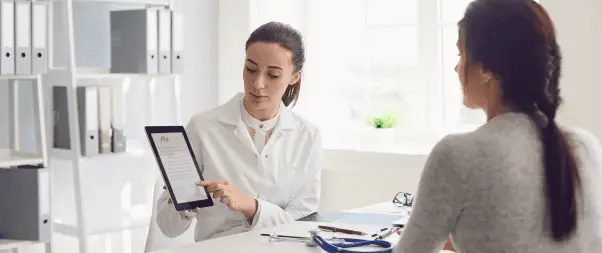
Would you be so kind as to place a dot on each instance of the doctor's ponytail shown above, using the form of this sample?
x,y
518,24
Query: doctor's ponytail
x,y
289,38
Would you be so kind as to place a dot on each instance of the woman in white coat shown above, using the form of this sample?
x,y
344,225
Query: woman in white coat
x,y
258,158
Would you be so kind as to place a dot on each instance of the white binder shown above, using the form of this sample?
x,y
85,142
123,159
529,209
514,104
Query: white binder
x,y
87,100
104,113
118,119
7,37
164,41
39,54
23,37
177,42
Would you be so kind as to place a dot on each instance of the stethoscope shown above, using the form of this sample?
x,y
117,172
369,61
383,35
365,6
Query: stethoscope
x,y
338,244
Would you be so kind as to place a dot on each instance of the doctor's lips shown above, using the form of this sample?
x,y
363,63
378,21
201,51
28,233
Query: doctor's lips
x,y
257,96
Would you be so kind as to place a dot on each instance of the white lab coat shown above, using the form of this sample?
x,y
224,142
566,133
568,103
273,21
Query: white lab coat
x,y
284,178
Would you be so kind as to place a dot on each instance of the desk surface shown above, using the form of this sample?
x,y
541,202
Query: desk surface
x,y
253,242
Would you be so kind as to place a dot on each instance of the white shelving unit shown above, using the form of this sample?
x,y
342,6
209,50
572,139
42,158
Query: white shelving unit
x,y
68,76
13,157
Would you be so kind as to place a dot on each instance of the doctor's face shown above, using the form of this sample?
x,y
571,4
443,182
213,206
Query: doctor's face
x,y
267,72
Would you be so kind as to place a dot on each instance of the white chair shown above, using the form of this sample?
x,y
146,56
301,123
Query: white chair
x,y
155,239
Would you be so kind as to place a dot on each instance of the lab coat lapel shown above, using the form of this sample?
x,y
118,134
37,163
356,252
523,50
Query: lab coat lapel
x,y
232,116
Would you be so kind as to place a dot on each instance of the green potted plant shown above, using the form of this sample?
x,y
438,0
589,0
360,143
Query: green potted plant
x,y
386,120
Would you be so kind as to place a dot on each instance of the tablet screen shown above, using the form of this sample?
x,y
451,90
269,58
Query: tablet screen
x,y
179,167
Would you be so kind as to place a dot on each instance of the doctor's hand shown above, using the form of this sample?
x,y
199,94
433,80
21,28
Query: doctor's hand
x,y
232,197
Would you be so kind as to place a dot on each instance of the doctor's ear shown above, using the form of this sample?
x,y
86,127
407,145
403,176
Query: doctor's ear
x,y
296,77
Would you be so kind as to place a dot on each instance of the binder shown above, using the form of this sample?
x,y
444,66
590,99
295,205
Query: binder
x,y
134,43
39,54
28,216
164,41
104,113
177,40
7,37
118,120
23,37
87,109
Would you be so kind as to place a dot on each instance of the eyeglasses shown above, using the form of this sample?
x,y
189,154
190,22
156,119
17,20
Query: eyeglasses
x,y
403,199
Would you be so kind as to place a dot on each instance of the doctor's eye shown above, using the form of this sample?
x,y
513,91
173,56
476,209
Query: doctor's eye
x,y
250,70
274,76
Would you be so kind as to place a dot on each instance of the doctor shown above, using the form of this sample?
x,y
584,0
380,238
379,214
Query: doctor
x,y
258,158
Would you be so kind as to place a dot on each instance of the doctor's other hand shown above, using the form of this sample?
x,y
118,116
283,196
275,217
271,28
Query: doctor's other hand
x,y
232,197
189,214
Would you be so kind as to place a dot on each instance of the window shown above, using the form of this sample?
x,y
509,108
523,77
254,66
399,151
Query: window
x,y
369,58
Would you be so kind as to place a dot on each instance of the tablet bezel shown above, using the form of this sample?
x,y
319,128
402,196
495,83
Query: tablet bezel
x,y
177,129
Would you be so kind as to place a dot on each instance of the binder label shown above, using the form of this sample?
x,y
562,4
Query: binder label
x,y
8,19
178,32
165,29
151,30
39,26
23,25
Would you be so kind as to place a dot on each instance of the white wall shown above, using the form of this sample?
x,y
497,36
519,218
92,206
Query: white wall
x,y
579,31
200,79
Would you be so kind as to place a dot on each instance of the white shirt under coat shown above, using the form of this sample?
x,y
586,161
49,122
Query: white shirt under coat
x,y
284,175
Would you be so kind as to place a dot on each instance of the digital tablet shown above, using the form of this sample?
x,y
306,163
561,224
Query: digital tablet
x,y
179,167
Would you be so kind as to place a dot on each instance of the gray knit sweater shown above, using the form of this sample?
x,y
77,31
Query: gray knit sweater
x,y
486,190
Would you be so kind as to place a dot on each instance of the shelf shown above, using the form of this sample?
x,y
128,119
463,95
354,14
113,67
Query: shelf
x,y
11,158
117,194
18,77
151,2
119,75
12,244
67,154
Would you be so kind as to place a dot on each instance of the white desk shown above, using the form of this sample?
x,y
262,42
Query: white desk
x,y
253,242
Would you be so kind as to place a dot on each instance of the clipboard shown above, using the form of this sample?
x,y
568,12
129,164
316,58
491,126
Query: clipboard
x,y
178,165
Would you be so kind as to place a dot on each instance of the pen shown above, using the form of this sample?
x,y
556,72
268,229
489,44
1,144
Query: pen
x,y
341,230
381,230
287,236
388,233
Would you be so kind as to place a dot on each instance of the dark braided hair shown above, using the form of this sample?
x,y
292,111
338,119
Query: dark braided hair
x,y
515,40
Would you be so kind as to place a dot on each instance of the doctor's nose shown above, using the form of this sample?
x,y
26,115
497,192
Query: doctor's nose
x,y
259,83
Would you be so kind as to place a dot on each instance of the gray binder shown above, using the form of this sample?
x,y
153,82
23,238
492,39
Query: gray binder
x,y
177,42
39,54
165,41
23,37
104,113
118,120
7,37
134,41
87,107
25,212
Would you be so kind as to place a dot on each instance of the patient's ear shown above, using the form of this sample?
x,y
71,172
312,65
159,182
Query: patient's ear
x,y
486,76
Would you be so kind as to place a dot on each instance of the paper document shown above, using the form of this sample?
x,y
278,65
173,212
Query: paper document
x,y
179,167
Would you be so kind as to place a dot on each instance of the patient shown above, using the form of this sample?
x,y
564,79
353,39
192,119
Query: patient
x,y
519,183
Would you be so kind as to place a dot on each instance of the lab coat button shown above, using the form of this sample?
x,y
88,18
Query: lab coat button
x,y
266,156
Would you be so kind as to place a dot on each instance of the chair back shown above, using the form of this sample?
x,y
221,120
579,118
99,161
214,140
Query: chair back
x,y
155,239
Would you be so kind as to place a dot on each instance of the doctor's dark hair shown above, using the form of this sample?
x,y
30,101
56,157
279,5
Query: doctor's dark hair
x,y
515,40
289,38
